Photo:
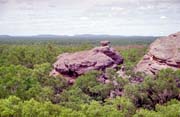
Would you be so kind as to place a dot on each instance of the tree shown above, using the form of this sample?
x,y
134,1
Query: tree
x,y
89,85
73,97
170,109
17,80
152,91
9,107
95,109
123,105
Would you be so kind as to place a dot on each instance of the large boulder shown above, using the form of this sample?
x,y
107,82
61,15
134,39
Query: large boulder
x,y
75,64
163,53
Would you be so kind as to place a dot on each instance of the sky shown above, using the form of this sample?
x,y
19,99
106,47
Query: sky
x,y
71,17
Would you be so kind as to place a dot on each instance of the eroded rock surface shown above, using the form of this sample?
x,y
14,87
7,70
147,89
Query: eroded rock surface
x,y
75,64
163,53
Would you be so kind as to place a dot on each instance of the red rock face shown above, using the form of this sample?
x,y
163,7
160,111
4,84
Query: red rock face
x,y
75,64
163,53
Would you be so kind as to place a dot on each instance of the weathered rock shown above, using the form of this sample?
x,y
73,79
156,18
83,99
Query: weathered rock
x,y
105,43
163,53
75,64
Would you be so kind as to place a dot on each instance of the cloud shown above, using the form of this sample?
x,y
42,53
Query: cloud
x,y
119,9
89,16
163,17
3,1
83,18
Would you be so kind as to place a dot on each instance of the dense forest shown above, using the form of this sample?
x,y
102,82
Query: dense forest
x,y
27,90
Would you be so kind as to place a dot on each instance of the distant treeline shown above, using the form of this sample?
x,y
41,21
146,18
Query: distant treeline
x,y
76,40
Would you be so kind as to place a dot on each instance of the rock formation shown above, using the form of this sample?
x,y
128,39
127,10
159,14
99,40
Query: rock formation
x,y
75,64
163,53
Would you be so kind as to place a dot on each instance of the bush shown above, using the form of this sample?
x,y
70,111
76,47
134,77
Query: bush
x,y
152,91
170,109
89,85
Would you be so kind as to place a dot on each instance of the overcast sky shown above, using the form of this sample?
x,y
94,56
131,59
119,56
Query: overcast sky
x,y
69,17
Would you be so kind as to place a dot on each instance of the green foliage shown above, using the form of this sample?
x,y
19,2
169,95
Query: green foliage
x,y
112,75
170,109
9,107
30,55
17,80
13,106
95,109
27,83
27,55
88,84
152,91
27,90
131,57
73,98
123,105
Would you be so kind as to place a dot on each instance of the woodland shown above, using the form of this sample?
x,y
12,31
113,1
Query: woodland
x,y
27,90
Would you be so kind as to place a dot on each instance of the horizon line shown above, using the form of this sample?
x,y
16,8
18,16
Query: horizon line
x,y
79,35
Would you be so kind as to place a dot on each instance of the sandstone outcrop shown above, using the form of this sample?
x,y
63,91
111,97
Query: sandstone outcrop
x,y
75,64
163,53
